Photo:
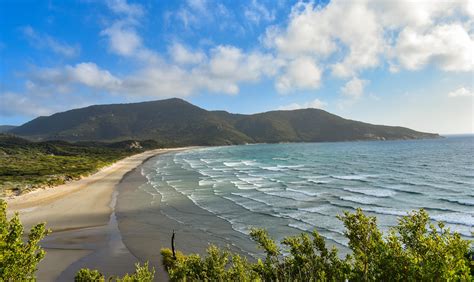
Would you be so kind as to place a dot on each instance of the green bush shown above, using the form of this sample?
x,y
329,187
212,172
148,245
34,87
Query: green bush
x,y
85,275
414,250
142,274
19,259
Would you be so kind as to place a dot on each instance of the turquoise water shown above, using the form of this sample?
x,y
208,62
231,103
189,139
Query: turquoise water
x,y
289,188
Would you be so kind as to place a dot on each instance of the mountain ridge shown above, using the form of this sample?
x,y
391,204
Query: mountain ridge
x,y
177,122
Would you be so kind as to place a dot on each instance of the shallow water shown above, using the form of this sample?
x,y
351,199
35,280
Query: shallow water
x,y
287,188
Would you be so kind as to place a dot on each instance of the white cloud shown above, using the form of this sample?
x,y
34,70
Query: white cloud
x,y
122,7
62,79
43,41
231,65
447,46
123,40
349,37
319,32
316,104
184,56
122,35
159,81
354,88
257,12
301,73
302,36
461,92
90,75
222,72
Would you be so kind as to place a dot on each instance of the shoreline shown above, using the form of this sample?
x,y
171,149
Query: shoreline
x,y
146,227
81,217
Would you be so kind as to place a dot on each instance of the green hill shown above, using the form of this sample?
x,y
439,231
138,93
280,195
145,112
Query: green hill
x,y
314,125
175,122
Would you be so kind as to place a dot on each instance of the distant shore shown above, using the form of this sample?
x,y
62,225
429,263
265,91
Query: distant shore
x,y
79,214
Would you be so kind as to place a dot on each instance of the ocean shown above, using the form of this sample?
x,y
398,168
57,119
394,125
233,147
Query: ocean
x,y
290,188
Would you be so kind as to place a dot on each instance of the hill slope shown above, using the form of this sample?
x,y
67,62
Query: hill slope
x,y
177,122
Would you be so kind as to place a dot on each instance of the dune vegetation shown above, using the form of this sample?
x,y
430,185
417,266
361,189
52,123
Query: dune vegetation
x,y
26,165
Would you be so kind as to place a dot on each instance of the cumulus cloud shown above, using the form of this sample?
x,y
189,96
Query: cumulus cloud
x,y
231,62
222,72
86,74
354,88
461,92
448,46
318,32
90,75
352,36
316,104
301,73
123,40
46,42
418,14
182,55
123,37
156,81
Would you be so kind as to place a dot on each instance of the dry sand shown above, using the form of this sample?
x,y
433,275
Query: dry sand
x,y
85,232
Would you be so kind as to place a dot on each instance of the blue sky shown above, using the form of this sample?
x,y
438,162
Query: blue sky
x,y
407,63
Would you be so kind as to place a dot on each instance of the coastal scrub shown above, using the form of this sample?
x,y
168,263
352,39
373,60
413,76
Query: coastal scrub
x,y
414,250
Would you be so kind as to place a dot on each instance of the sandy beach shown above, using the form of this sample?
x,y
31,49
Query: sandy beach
x,y
146,223
79,213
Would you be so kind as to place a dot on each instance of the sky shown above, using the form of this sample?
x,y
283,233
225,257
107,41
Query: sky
x,y
407,62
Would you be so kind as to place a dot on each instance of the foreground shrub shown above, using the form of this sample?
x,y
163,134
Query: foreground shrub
x,y
414,250
18,259
86,274
142,274
218,265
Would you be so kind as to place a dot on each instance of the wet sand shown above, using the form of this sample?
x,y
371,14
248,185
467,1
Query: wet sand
x,y
146,227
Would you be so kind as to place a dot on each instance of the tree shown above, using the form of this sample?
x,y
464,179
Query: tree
x,y
19,259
